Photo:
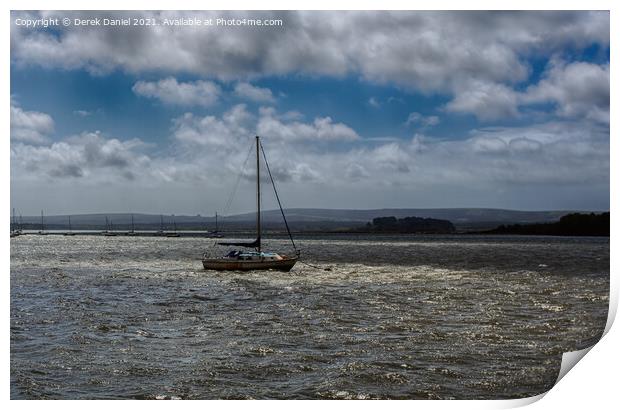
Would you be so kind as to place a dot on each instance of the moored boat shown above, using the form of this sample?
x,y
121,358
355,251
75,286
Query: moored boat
x,y
244,260
251,260
109,230
174,233
42,231
70,232
15,229
132,232
215,233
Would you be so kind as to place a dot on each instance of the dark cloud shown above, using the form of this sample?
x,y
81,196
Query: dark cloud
x,y
424,50
477,57
578,89
66,170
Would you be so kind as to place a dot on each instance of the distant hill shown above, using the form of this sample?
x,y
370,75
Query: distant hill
x,y
569,225
459,215
462,218
305,219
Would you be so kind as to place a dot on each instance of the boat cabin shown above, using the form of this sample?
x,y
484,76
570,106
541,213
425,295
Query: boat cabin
x,y
253,255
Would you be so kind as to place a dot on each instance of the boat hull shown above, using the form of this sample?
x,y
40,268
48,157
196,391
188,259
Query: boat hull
x,y
285,264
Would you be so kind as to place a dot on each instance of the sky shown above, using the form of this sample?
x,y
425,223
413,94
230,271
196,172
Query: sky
x,y
355,110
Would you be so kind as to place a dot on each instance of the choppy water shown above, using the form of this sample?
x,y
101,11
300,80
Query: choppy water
x,y
396,317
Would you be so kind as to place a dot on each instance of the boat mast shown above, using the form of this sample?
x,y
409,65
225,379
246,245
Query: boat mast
x,y
70,230
216,230
132,226
258,191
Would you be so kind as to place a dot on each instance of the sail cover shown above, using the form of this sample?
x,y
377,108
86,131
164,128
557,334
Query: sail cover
x,y
254,244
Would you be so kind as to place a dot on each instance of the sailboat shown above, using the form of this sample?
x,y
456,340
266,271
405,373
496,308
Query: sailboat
x,y
243,260
132,232
70,233
161,226
108,228
15,229
216,233
173,234
42,231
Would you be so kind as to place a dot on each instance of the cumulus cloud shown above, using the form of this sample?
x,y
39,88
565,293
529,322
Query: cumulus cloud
x,y
356,172
424,121
403,48
321,129
229,133
477,58
550,153
479,61
212,131
578,89
487,101
209,152
253,93
30,126
489,145
524,145
88,155
214,147
169,91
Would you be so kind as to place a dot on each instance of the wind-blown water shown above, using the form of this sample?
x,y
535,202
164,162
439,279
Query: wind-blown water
x,y
404,317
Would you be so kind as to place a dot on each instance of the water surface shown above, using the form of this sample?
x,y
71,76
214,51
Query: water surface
x,y
403,317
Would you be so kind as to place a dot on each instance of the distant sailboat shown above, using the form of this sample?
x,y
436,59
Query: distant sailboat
x,y
42,231
15,229
70,233
161,226
111,231
215,233
174,233
132,232
258,259
108,228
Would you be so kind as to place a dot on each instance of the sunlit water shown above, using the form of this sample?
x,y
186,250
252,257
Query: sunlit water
x,y
395,317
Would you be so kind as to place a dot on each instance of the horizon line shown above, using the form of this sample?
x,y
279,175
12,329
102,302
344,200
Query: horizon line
x,y
310,208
